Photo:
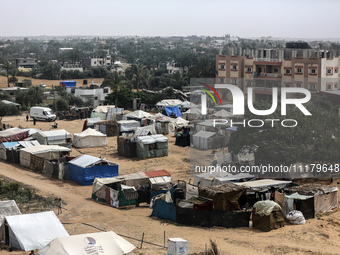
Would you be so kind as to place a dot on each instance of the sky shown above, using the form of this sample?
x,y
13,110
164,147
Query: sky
x,y
243,18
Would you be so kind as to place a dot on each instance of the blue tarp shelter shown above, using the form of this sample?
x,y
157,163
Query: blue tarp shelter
x,y
173,109
85,168
68,84
164,210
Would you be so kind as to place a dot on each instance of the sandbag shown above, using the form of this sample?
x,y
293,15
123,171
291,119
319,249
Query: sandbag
x,y
296,218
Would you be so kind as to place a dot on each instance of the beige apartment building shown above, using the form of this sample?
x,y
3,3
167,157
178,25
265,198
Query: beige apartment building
x,y
315,70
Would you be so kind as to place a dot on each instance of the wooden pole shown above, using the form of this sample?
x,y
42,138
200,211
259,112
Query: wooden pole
x,y
164,239
141,244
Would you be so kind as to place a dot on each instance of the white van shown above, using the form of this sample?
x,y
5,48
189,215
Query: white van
x,y
42,113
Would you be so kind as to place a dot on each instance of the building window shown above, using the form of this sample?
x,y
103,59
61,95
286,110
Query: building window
x,y
287,85
299,70
221,66
329,70
233,67
312,70
106,91
312,86
298,85
336,69
288,71
248,83
73,91
221,80
276,70
95,98
234,81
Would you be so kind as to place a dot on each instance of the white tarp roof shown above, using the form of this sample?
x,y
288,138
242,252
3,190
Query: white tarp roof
x,y
150,139
139,114
102,108
34,231
8,207
263,184
11,131
204,134
179,121
161,118
87,160
223,114
94,243
128,125
27,144
169,102
45,148
56,134
141,131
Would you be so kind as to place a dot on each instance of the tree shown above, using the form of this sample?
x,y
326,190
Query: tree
x,y
7,66
115,81
31,97
314,139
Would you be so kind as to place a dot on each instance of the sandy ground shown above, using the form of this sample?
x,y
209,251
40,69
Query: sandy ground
x,y
318,236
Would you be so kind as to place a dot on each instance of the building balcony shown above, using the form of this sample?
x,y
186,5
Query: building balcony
x,y
275,60
267,75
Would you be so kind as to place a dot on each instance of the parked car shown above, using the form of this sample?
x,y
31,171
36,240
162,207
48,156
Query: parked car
x,y
42,85
42,113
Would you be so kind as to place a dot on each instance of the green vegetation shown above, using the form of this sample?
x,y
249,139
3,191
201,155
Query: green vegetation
x,y
25,197
8,110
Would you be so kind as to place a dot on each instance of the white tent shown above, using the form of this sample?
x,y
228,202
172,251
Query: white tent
x,y
204,140
146,130
94,243
42,151
60,136
169,102
223,114
139,114
34,231
89,138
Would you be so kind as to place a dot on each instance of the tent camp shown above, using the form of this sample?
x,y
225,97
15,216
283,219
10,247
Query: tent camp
x,y
146,130
94,243
126,126
85,168
32,231
9,151
169,102
91,121
161,123
89,138
13,134
54,137
42,152
152,146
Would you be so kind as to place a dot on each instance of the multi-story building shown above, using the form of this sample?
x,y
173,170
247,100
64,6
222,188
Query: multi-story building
x,y
262,69
26,62
93,92
98,62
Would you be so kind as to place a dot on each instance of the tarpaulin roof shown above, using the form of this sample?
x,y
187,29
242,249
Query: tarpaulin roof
x,y
158,173
68,84
88,160
263,184
9,144
91,121
146,130
139,114
55,134
173,109
34,231
12,134
8,207
223,114
160,118
45,148
169,102
27,144
102,108
94,243
89,132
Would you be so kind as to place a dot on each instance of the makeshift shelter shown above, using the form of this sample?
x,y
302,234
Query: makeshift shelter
x,y
85,168
137,188
169,102
173,110
107,127
179,122
93,243
9,151
205,140
127,147
152,146
138,115
161,123
7,146
54,137
146,130
325,197
33,157
101,111
13,134
225,196
223,114
57,168
215,178
127,126
32,231
89,138
91,121
267,215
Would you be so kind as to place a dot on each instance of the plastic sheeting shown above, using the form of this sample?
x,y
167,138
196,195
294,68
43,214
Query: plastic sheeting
x,y
13,134
8,207
34,231
173,110
93,243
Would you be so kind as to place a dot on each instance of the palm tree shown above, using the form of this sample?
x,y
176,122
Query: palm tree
x,y
115,81
7,66
139,76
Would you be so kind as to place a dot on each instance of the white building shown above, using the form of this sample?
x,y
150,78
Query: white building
x,y
98,95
